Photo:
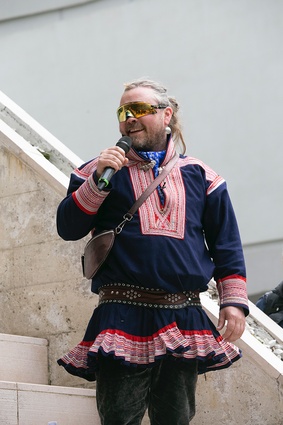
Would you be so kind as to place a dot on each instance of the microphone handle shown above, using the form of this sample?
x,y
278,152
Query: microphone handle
x,y
105,178
124,143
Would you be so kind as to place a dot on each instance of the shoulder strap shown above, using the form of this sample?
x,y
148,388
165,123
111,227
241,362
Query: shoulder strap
x,y
129,215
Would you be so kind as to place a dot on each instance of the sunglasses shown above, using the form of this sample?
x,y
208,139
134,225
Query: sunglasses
x,y
137,110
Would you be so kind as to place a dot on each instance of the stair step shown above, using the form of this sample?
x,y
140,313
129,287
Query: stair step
x,y
34,404
23,359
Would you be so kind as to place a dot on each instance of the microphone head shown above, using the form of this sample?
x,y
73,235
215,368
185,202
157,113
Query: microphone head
x,y
125,143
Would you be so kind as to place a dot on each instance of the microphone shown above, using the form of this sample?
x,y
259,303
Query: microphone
x,y
124,143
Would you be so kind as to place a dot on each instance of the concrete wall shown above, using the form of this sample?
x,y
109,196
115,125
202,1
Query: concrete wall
x,y
240,394
42,292
65,62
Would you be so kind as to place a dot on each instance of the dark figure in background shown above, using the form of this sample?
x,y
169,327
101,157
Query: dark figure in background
x,y
271,303
147,354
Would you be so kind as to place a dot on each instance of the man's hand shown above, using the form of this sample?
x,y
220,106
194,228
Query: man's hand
x,y
235,320
112,157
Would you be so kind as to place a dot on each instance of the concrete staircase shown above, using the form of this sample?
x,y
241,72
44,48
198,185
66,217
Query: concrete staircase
x,y
25,396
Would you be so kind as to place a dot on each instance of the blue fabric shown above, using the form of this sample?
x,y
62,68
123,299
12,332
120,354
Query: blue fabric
x,y
131,324
158,158
206,245
182,264
261,302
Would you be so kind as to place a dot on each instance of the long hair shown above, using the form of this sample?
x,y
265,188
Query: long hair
x,y
163,99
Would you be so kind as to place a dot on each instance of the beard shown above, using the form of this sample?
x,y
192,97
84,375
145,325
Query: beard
x,y
143,141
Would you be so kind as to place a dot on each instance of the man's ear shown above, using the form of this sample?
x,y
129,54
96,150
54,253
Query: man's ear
x,y
168,112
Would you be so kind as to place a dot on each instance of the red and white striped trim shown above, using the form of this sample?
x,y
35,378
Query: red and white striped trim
x,y
87,170
232,290
210,175
145,350
165,220
88,198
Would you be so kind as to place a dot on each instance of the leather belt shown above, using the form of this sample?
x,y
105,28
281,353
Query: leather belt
x,y
130,294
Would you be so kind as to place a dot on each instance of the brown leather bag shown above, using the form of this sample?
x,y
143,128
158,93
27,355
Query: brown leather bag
x,y
98,247
96,251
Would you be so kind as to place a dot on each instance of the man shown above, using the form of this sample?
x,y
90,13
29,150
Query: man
x,y
271,303
148,354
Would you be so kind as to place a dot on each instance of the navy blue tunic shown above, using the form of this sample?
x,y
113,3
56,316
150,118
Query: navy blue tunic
x,y
176,242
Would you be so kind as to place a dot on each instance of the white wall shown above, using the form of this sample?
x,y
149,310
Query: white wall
x,y
222,59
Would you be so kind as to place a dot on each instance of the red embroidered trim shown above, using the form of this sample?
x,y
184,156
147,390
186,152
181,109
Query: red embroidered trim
x,y
88,198
167,220
232,290
145,350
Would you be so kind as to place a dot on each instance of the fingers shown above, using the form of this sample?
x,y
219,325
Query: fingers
x,y
233,331
235,321
221,321
113,157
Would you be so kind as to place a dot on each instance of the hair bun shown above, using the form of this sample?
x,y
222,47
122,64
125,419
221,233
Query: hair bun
x,y
173,103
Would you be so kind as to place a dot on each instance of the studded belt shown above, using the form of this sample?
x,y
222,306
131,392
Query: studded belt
x,y
145,297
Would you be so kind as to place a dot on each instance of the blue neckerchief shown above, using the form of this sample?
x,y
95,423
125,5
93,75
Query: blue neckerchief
x,y
158,158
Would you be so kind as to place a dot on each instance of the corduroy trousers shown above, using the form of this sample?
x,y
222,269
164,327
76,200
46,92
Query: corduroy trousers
x,y
167,390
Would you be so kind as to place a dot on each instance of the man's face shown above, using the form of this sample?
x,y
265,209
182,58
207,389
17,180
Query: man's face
x,y
147,132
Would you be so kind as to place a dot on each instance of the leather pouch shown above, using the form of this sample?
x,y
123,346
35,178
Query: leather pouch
x,y
96,251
